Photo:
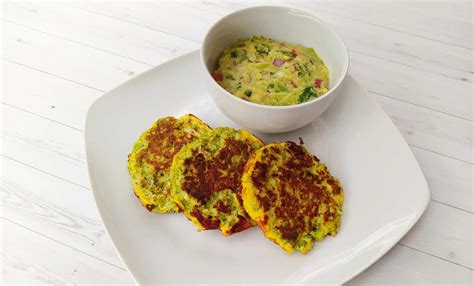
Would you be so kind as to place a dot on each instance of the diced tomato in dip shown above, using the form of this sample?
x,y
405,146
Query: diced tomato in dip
x,y
218,76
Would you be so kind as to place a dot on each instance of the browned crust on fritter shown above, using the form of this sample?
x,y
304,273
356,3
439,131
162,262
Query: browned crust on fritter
x,y
162,142
206,222
243,224
207,178
293,176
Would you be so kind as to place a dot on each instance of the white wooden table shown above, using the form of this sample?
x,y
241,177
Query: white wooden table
x,y
417,58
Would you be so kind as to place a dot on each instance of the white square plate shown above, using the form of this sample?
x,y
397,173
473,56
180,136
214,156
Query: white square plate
x,y
385,190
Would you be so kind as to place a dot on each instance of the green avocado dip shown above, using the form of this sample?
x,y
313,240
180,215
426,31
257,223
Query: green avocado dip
x,y
270,72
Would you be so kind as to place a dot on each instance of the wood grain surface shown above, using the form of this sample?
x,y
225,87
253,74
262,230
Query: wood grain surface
x,y
57,58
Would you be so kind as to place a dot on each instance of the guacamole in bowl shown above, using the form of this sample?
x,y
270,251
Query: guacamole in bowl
x,y
270,72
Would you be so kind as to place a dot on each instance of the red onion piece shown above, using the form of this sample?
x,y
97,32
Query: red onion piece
x,y
278,62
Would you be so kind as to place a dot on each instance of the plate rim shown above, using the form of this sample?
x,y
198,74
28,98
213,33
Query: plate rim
x,y
369,262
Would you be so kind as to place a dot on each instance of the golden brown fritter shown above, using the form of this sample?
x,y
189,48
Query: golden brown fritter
x,y
152,155
291,196
206,177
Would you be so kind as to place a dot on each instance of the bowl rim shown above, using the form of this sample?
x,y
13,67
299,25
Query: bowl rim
x,y
276,107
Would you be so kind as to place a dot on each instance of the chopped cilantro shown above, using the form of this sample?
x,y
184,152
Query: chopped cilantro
x,y
271,85
262,49
229,76
281,88
248,93
303,70
233,54
307,94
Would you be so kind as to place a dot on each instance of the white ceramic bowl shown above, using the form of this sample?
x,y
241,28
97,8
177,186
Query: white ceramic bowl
x,y
278,23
